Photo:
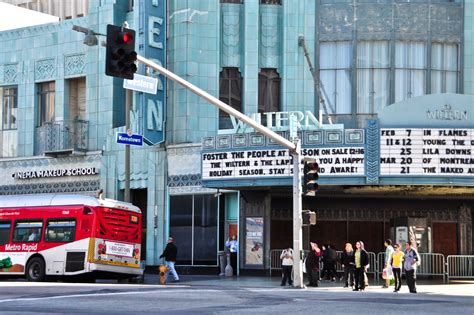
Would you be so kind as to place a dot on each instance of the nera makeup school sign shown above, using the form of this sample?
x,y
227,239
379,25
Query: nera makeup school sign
x,y
59,172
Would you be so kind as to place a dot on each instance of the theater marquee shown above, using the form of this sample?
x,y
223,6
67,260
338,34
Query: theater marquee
x,y
341,161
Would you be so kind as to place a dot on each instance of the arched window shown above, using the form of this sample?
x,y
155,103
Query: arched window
x,y
230,92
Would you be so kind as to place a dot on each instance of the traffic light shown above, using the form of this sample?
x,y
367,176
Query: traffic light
x,y
309,217
120,54
310,171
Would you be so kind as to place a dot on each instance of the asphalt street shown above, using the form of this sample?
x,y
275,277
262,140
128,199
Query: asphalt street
x,y
226,297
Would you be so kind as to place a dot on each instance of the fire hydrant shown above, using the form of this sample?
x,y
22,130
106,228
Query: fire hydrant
x,y
163,270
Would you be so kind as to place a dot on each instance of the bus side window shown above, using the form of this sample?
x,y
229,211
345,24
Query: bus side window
x,y
60,231
5,228
27,231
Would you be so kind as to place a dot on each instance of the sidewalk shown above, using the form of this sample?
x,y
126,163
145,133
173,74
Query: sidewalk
x,y
460,288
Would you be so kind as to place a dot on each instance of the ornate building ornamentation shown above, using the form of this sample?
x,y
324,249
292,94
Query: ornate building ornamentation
x,y
10,73
373,154
45,69
83,186
74,65
269,41
184,180
231,35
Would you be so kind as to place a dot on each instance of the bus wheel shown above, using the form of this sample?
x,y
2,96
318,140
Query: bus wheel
x,y
35,270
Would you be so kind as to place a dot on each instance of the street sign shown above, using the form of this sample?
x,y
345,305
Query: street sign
x,y
141,83
128,138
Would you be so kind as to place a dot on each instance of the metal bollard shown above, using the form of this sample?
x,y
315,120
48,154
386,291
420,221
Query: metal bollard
x,y
222,263
229,271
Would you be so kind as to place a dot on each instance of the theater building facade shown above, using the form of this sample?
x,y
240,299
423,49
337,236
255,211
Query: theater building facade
x,y
393,137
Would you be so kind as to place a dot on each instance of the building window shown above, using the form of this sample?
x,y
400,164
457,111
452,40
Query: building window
x,y
410,70
268,92
46,97
444,68
335,73
373,70
9,112
77,98
193,225
232,1
278,2
230,92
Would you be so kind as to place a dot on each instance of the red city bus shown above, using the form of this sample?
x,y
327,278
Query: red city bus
x,y
46,235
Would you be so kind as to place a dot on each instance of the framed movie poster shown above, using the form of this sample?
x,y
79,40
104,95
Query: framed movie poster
x,y
254,241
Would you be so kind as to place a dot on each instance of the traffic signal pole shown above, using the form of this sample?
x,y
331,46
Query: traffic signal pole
x,y
294,148
297,217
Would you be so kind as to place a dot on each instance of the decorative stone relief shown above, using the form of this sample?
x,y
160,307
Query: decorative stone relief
x,y
231,35
269,36
184,180
372,152
184,160
74,65
49,188
465,214
45,69
378,21
10,73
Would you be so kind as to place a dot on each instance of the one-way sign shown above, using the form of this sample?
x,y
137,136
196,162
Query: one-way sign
x,y
128,138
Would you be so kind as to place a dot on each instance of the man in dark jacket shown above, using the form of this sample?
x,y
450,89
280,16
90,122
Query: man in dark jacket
x,y
331,261
312,265
169,254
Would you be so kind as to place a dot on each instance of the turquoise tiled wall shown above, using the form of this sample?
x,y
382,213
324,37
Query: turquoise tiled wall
x,y
468,47
54,52
193,55
206,36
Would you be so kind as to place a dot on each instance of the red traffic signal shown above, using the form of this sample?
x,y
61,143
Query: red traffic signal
x,y
126,37
120,53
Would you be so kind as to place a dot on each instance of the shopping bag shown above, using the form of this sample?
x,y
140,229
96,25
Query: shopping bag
x,y
389,272
384,274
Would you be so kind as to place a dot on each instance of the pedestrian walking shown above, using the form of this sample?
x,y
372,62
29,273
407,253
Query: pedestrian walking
x,y
361,258
348,263
411,261
396,263
312,265
388,259
170,253
286,266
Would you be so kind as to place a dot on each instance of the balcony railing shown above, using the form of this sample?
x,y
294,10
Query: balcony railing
x,y
61,137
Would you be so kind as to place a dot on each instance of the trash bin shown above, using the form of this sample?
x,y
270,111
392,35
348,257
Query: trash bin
x,y
222,262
